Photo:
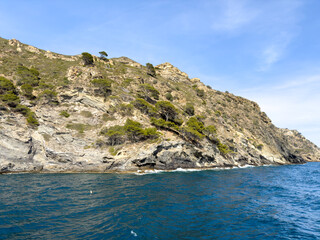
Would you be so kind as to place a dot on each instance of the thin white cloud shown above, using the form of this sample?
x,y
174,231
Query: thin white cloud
x,y
301,81
293,104
275,51
280,24
235,14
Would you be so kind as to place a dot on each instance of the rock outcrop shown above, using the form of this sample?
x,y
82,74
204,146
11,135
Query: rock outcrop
x,y
63,124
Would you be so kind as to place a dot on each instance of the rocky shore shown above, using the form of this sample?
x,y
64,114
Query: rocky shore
x,y
67,125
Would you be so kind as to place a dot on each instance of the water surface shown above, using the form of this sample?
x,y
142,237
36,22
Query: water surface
x,y
253,203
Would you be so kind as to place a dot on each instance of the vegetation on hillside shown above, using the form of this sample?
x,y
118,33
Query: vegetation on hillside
x,y
148,101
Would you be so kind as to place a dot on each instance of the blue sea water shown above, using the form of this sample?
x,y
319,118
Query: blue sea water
x,y
252,203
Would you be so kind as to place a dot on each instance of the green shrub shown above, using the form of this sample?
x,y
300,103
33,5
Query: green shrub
x,y
131,131
161,123
224,149
127,82
80,127
169,96
27,90
6,85
191,133
11,99
125,109
115,134
217,113
195,124
103,55
210,130
99,142
44,86
150,70
113,151
151,133
200,117
87,58
27,76
167,110
64,114
34,71
135,132
32,120
144,107
103,86
147,91
200,92
189,109
63,82
50,96
24,110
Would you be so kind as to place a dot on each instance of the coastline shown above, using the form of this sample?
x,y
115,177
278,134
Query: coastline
x,y
149,170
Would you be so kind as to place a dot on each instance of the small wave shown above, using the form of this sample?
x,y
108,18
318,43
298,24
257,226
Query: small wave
x,y
246,166
133,233
187,170
155,171
145,172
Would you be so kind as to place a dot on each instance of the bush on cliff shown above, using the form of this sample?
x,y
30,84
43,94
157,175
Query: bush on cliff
x,y
49,96
189,109
169,96
163,124
125,109
195,124
150,70
102,87
144,107
28,76
148,92
191,134
32,119
6,85
11,99
131,130
167,110
87,58
27,90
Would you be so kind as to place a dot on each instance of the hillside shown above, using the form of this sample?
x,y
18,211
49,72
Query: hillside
x,y
63,114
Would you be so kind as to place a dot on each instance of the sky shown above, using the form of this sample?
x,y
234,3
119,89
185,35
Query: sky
x,y
266,51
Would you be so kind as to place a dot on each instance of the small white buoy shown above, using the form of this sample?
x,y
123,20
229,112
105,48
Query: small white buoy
x,y
90,191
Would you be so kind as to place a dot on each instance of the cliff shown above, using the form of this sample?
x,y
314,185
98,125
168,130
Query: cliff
x,y
76,114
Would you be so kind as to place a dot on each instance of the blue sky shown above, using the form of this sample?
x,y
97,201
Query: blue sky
x,y
267,51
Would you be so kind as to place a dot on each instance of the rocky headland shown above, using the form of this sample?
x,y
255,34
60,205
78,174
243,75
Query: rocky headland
x,y
93,114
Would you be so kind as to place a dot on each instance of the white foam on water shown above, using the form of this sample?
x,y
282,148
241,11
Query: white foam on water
x,y
246,166
187,170
144,172
133,233
155,171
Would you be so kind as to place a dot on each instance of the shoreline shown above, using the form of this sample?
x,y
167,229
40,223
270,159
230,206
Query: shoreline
x,y
148,171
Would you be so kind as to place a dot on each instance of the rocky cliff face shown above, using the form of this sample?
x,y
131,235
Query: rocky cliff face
x,y
59,115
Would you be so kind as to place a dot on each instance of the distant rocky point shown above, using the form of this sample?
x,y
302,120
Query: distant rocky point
x,y
88,113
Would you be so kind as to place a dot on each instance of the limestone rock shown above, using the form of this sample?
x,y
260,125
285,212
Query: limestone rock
x,y
76,141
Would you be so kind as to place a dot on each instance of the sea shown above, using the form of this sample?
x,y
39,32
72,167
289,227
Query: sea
x,y
270,202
